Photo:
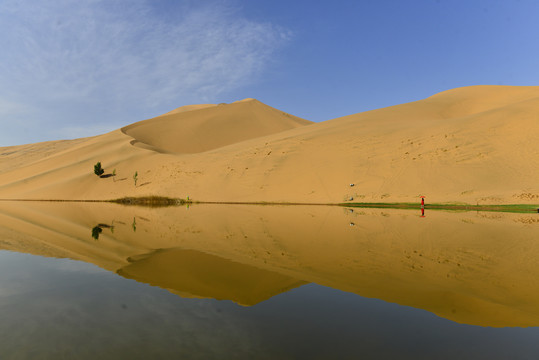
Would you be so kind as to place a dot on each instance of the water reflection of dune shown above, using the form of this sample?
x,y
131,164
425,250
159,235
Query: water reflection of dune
x,y
191,273
475,268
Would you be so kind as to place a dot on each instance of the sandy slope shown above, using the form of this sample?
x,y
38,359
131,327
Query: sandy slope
x,y
474,145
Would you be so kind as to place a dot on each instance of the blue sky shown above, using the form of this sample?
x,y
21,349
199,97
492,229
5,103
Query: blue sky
x,y
73,68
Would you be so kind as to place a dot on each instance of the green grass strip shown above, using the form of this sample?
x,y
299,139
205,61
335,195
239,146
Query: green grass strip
x,y
513,208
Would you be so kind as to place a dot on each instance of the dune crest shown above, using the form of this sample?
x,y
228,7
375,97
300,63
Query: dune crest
x,y
204,128
187,108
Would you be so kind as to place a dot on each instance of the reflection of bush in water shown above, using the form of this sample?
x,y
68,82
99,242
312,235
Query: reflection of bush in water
x,y
96,231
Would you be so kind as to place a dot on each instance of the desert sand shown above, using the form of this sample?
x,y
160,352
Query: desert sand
x,y
469,267
474,145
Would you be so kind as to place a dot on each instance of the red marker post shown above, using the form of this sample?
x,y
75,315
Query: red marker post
x,y
422,206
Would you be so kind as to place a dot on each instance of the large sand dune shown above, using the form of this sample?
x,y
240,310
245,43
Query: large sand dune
x,y
193,130
472,145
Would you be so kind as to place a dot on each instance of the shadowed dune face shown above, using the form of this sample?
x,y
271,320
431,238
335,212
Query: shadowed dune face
x,y
187,131
474,145
474,268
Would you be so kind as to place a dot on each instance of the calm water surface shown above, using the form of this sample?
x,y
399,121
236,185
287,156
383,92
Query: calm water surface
x,y
265,282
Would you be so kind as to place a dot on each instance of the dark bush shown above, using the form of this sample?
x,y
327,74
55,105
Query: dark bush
x,y
98,170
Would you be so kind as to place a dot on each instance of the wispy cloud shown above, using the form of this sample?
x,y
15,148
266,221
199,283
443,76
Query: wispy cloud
x,y
98,62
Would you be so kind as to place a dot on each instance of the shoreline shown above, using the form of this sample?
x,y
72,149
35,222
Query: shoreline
x,y
159,201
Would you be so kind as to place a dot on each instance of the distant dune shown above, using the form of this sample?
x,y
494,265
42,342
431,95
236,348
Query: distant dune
x,y
197,129
469,145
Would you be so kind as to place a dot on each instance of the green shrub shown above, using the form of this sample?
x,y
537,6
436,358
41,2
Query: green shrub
x,y
98,170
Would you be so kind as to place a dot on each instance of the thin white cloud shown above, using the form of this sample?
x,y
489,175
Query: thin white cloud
x,y
98,63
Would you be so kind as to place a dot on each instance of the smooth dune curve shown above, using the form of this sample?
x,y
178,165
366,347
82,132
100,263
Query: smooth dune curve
x,y
474,145
207,128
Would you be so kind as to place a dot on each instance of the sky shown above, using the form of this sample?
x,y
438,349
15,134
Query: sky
x,y
75,68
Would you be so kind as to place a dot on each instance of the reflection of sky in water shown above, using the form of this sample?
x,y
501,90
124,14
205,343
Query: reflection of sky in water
x,y
55,307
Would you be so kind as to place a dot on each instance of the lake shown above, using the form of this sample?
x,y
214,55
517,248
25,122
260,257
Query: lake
x,y
97,280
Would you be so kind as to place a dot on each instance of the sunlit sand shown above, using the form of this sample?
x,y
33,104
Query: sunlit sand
x,y
472,145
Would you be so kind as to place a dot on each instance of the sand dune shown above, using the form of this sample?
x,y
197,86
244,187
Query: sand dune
x,y
200,129
467,145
